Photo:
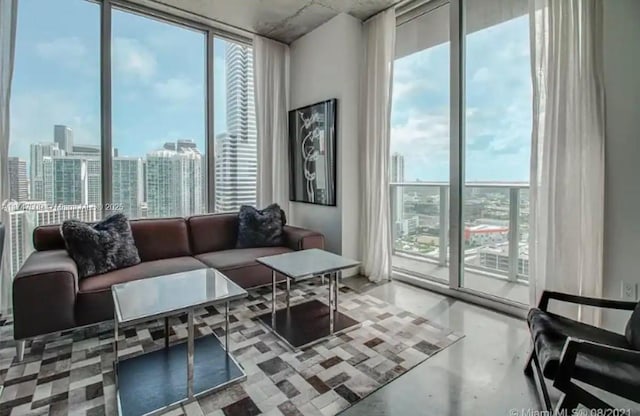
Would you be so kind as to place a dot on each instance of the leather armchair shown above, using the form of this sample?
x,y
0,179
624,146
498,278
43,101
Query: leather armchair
x,y
565,351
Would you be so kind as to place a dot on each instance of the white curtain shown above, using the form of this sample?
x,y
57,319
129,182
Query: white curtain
x,y
375,119
567,161
8,15
271,73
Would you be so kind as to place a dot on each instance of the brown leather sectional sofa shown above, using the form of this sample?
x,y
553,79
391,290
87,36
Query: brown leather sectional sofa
x,y
49,297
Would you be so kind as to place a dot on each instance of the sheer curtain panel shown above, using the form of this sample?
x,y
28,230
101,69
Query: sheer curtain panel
x,y
375,120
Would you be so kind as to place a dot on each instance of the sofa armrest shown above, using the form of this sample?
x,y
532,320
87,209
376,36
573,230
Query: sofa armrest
x,y
301,239
44,294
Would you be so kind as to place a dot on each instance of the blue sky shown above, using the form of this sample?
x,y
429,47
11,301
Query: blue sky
x,y
498,107
158,90
158,78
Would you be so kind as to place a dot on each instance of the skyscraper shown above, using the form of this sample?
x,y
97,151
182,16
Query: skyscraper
x,y
63,136
397,176
38,152
397,167
94,181
18,181
236,150
68,180
174,180
35,213
128,185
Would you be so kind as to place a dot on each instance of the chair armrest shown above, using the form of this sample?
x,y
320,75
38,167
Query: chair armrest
x,y
44,294
574,346
604,351
583,300
302,239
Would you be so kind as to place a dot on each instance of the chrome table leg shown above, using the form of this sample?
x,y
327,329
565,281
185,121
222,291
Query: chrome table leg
x,y
190,347
332,283
288,291
226,327
336,289
166,332
273,300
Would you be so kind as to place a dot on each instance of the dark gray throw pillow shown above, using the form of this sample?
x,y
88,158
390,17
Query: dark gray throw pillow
x,y
101,247
261,227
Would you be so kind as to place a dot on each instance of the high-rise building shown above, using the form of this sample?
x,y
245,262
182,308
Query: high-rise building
x,y
397,168
63,135
236,150
35,213
128,185
174,181
18,181
38,152
17,238
68,179
397,176
94,181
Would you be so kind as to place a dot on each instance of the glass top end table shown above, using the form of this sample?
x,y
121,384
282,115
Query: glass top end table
x,y
313,321
165,378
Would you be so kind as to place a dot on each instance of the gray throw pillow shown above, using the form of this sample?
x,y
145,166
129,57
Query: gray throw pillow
x,y
101,247
261,227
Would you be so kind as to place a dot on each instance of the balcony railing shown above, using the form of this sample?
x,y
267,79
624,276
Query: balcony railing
x,y
496,226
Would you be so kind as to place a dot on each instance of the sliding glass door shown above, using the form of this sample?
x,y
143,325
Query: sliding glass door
x,y
484,150
497,148
420,144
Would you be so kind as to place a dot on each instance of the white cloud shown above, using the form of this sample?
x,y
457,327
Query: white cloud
x,y
133,59
33,115
177,89
63,49
403,89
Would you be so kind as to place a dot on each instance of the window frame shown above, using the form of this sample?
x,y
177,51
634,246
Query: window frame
x,y
106,142
457,145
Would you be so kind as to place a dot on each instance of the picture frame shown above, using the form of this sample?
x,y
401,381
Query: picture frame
x,y
312,153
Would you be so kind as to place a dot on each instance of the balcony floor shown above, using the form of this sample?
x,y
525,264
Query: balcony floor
x,y
516,292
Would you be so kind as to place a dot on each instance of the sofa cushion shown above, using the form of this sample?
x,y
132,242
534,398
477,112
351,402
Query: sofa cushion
x,y
101,247
213,232
139,271
95,303
261,227
161,238
239,257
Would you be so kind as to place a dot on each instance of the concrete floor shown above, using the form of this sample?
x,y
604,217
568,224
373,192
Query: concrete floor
x,y
496,286
479,375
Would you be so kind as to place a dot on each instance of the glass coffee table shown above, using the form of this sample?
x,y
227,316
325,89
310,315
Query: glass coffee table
x,y
165,378
310,322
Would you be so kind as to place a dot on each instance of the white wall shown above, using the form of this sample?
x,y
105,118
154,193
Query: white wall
x,y
325,63
622,182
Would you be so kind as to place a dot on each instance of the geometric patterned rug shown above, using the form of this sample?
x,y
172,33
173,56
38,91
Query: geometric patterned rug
x,y
72,372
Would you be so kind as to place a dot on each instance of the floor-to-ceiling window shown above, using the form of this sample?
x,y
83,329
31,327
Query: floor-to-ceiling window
x,y
55,132
473,157
420,143
159,116
497,147
167,102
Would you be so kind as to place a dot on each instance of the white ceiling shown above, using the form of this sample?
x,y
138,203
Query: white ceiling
x,y
283,20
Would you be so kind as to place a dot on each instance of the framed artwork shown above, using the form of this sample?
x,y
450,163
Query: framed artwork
x,y
312,153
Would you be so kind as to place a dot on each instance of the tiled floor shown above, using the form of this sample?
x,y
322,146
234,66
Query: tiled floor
x,y
479,375
517,292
